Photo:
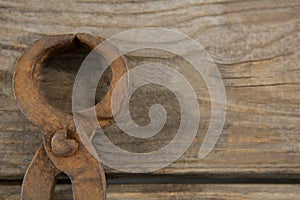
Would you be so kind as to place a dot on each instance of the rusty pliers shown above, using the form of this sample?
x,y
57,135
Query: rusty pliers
x,y
62,149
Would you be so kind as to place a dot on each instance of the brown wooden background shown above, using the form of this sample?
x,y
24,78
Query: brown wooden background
x,y
255,45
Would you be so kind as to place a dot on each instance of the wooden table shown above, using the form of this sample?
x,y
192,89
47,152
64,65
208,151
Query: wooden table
x,y
255,45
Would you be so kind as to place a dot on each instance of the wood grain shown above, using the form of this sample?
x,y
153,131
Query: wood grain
x,y
255,45
170,192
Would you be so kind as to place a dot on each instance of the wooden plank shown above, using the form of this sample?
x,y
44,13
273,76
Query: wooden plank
x,y
255,45
177,191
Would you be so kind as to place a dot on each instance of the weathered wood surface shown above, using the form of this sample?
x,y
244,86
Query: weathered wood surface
x,y
170,192
255,45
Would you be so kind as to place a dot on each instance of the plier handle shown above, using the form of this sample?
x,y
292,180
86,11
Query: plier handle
x,y
83,169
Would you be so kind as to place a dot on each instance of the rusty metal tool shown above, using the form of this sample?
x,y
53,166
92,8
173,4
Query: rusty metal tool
x,y
62,149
